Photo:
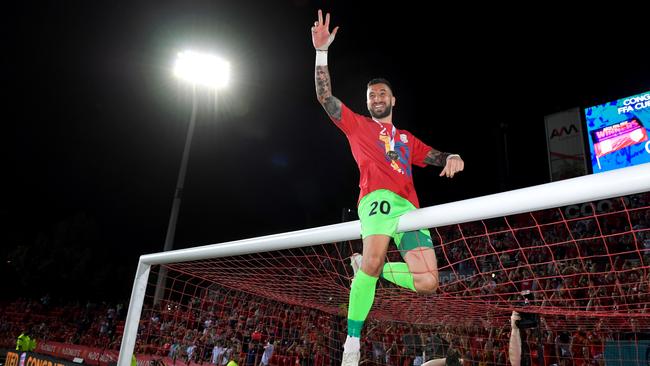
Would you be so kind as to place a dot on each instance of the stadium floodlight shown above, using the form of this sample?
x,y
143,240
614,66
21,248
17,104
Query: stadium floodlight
x,y
202,69
198,69
313,277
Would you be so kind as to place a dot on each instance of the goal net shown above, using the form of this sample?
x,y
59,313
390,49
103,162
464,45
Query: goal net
x,y
572,257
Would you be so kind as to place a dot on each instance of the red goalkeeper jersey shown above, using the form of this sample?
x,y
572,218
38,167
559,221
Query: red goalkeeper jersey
x,y
370,142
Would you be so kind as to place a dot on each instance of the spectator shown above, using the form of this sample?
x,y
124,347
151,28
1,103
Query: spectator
x,y
268,352
251,355
190,352
233,361
217,353
563,345
24,343
452,359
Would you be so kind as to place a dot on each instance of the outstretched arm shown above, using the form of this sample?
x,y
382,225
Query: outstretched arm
x,y
321,38
452,163
514,349
439,362
435,362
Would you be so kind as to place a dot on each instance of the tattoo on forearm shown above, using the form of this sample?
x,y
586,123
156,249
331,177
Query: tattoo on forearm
x,y
323,84
324,93
437,158
333,107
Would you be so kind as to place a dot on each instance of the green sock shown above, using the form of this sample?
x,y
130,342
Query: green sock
x,y
399,274
362,295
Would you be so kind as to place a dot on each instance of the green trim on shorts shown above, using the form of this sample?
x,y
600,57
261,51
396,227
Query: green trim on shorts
x,y
379,212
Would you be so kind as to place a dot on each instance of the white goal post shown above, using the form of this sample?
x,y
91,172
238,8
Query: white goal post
x,y
567,192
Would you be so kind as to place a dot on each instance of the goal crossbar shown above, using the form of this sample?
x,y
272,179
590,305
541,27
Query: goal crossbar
x,y
567,192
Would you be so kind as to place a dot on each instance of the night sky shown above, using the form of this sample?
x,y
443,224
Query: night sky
x,y
96,122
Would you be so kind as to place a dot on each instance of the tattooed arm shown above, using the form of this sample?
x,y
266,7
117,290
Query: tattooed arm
x,y
452,163
322,38
436,158
331,103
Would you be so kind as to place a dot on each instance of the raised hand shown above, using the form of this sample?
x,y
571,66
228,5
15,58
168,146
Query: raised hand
x,y
320,34
513,319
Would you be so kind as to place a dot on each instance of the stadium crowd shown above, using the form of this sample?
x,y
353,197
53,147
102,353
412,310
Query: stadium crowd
x,y
564,258
575,261
232,324
90,324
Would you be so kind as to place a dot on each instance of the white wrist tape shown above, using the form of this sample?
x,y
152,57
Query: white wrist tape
x,y
451,155
321,58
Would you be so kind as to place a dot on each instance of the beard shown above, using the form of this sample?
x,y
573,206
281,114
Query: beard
x,y
379,115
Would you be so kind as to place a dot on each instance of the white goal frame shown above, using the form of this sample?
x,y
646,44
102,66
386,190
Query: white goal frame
x,y
587,188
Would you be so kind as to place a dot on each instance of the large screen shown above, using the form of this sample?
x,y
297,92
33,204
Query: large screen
x,y
618,133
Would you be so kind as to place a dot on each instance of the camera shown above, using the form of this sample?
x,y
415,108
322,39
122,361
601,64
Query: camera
x,y
528,320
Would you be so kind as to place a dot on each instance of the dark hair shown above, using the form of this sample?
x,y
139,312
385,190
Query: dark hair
x,y
380,81
453,358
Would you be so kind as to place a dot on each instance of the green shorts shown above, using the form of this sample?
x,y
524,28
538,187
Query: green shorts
x,y
379,212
